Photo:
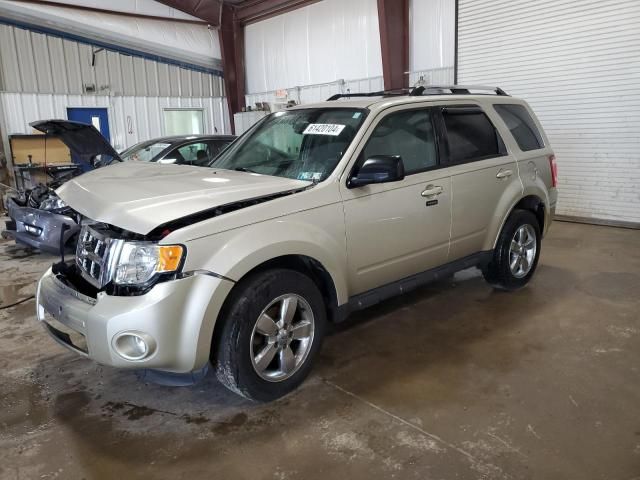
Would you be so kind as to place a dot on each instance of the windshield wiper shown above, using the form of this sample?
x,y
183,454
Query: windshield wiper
x,y
242,169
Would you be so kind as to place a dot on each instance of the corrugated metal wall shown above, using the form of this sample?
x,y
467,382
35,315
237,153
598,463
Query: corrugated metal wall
x,y
32,62
131,119
42,75
578,65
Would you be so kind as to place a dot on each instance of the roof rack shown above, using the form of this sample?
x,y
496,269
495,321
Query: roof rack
x,y
382,93
455,90
426,90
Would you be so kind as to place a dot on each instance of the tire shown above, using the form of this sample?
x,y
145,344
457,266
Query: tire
x,y
519,227
236,350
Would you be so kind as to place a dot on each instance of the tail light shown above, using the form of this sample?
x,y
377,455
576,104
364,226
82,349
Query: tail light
x,y
554,170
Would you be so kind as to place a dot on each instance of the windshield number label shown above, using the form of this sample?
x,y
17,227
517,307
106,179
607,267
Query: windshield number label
x,y
323,129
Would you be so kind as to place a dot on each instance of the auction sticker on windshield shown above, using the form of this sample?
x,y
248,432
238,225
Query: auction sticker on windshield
x,y
323,129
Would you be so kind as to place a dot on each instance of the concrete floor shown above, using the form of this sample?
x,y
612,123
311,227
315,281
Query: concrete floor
x,y
453,381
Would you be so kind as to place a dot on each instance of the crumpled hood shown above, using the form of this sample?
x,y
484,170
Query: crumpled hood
x,y
141,196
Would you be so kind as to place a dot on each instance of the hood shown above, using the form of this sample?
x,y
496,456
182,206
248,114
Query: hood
x,y
82,139
142,196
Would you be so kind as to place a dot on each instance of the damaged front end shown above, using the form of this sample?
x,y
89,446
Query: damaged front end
x,y
41,220
39,217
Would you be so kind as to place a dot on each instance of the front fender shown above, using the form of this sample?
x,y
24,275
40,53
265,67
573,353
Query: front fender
x,y
317,233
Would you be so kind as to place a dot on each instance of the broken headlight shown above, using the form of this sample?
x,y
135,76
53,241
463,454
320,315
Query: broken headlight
x,y
139,262
52,203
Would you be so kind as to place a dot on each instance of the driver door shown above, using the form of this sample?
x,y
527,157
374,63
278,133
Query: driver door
x,y
397,229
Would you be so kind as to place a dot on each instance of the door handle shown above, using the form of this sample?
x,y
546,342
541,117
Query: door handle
x,y
432,190
504,173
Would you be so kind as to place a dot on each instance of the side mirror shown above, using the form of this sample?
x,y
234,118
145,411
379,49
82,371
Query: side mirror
x,y
378,169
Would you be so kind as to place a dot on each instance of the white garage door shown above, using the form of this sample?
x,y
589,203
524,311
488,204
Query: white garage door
x,y
577,62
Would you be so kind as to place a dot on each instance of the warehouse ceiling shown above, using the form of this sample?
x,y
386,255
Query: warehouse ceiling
x,y
209,11
245,11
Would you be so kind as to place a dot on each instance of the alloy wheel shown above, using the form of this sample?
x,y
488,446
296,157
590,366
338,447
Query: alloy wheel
x,y
522,251
282,337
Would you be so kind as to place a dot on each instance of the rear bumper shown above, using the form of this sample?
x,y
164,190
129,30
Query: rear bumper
x,y
175,318
553,200
39,228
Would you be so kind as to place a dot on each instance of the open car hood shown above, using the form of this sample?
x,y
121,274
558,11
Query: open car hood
x,y
140,196
83,139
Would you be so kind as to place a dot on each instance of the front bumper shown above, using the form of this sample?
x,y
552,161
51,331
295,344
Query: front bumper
x,y
46,227
176,317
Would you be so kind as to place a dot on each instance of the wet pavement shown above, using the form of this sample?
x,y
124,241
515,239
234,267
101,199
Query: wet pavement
x,y
452,381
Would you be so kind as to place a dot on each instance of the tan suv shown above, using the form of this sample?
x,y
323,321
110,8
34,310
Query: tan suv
x,y
315,212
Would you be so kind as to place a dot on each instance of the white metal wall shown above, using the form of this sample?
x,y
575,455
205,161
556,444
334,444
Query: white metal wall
x,y
578,65
435,76
432,37
131,119
323,42
322,91
31,62
319,92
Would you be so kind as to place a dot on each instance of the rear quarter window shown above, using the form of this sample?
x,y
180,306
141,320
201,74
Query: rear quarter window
x,y
470,134
521,125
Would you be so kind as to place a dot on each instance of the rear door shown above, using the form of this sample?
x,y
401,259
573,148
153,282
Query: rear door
x,y
398,229
481,172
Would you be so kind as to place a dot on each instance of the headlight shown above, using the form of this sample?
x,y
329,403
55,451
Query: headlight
x,y
139,262
52,203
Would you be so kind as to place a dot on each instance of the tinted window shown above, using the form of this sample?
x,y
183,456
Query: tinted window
x,y
470,134
216,146
521,125
409,134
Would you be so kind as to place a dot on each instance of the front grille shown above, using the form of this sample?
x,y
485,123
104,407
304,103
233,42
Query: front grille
x,y
93,255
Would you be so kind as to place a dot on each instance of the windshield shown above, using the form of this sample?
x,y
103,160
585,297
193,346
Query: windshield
x,y
299,144
144,152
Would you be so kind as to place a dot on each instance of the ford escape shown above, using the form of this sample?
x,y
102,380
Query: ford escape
x,y
315,212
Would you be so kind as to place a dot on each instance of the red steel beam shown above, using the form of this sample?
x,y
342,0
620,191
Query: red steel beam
x,y
393,18
251,11
231,33
209,10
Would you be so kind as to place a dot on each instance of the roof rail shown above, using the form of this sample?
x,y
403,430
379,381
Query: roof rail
x,y
455,90
382,93
426,90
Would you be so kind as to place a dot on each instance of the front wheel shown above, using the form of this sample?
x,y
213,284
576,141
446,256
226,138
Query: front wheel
x,y
516,254
274,325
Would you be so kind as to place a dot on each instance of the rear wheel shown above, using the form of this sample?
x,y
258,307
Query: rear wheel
x,y
515,257
274,325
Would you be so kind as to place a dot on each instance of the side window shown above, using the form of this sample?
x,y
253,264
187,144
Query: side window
x,y
409,134
470,134
216,146
521,125
193,154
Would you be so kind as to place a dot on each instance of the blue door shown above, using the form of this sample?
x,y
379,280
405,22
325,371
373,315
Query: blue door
x,y
98,117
